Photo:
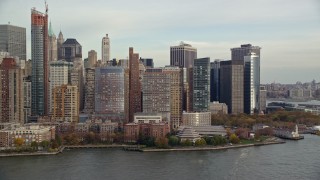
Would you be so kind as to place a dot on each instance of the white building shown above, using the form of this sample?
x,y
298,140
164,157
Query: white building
x,y
146,118
196,118
105,49
59,72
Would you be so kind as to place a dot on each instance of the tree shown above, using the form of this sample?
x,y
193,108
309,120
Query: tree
x,y
161,142
234,139
173,140
34,145
187,143
18,142
44,144
200,142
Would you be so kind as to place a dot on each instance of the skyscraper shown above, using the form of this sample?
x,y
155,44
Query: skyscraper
x,y
77,79
176,95
231,85
26,98
65,103
251,83
39,56
89,90
215,81
71,50
92,58
134,84
52,45
239,52
156,91
105,49
201,84
13,40
110,91
11,88
59,75
60,41
182,55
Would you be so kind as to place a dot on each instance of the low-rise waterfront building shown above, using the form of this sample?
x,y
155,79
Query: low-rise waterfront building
x,y
218,108
196,118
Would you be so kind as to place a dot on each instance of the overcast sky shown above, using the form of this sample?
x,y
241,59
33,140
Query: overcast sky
x,y
287,30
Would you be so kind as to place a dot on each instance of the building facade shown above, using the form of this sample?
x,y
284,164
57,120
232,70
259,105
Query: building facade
x,y
251,83
147,62
52,45
92,59
134,84
239,53
59,75
196,118
65,103
71,50
231,85
26,98
182,55
201,84
40,63
215,80
105,49
89,91
13,40
110,91
156,90
11,98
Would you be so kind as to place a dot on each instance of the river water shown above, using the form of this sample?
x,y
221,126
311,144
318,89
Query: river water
x,y
292,160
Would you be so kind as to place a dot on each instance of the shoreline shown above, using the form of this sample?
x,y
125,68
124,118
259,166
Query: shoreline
x,y
139,149
212,148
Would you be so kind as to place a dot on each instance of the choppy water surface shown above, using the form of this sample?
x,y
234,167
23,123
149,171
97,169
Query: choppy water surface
x,y
292,160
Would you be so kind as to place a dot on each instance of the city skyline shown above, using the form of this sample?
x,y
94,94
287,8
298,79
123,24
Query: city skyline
x,y
289,40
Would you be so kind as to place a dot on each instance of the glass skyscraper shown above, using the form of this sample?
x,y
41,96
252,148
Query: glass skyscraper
x,y
201,84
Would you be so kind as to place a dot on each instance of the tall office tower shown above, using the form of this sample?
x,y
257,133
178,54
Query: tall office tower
x,y
182,55
201,84
92,58
251,83
147,62
77,79
215,81
176,95
11,98
263,99
89,90
110,92
187,89
26,98
231,85
39,56
105,49
156,91
52,45
126,94
71,50
13,40
239,52
65,103
134,84
60,41
59,73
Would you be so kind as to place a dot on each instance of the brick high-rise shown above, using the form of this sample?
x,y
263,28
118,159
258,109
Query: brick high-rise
x,y
39,56
134,84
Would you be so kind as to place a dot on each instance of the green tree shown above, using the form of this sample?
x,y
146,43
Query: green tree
x,y
173,141
200,142
187,143
18,142
234,139
34,145
44,144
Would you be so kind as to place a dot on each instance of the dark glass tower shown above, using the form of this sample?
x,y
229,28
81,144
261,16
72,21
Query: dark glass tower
x,y
201,84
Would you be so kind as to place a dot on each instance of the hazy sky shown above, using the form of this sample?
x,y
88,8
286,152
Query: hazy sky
x,y
287,30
